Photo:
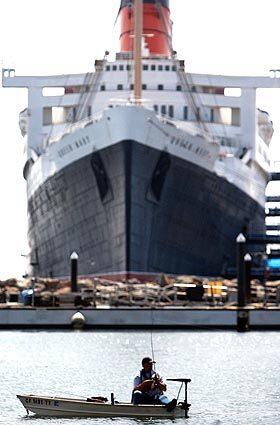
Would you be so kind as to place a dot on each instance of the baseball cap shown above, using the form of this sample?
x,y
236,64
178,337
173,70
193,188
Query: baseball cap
x,y
146,360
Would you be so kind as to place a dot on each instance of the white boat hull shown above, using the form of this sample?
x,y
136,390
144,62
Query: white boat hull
x,y
68,407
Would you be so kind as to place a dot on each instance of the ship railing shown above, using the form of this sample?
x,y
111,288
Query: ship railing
x,y
179,124
71,128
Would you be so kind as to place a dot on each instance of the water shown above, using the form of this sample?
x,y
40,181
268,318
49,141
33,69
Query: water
x,y
235,377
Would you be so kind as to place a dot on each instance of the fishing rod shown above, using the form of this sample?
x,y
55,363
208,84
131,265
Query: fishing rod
x,y
151,340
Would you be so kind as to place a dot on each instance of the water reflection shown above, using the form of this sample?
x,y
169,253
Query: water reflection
x,y
234,376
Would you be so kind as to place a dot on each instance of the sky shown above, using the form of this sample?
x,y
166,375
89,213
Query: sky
x,y
37,37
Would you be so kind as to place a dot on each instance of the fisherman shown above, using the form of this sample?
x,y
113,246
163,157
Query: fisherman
x,y
149,387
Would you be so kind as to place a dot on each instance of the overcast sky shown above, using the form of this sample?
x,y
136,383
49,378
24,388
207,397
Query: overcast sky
x,y
40,37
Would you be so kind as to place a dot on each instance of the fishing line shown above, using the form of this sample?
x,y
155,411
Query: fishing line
x,y
152,342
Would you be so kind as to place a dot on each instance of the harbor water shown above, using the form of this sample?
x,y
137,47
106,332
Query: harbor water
x,y
235,377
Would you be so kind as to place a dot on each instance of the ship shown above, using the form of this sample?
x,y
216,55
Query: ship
x,y
139,166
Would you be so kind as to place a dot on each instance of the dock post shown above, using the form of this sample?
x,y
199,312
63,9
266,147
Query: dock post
x,y
186,398
265,279
33,282
278,295
94,293
74,271
112,398
240,243
248,265
242,315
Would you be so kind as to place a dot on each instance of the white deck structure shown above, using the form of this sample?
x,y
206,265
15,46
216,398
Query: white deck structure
x,y
223,107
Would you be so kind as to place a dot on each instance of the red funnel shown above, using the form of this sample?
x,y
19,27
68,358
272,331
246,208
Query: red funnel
x,y
156,27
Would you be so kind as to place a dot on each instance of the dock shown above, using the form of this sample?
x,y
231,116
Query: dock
x,y
138,318
181,302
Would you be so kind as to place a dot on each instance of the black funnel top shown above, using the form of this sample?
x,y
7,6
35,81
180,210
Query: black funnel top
x,y
164,3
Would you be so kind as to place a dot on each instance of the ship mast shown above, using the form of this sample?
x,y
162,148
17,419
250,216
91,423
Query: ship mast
x,y
138,33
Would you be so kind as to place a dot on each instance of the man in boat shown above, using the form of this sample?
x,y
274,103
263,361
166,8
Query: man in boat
x,y
149,387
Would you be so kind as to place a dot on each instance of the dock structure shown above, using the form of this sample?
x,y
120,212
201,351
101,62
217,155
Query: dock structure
x,y
245,269
275,176
171,303
273,212
273,199
274,253
139,318
270,240
262,239
274,227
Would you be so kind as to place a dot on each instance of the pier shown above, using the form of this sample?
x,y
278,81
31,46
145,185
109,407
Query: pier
x,y
170,302
138,318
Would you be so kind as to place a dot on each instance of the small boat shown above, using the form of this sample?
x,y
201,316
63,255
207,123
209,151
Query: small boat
x,y
72,407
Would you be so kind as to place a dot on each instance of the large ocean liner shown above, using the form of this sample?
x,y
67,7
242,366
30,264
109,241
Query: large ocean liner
x,y
139,166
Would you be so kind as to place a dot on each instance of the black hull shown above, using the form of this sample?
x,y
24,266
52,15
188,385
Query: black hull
x,y
132,208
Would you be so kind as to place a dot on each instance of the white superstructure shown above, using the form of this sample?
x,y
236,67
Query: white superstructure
x,y
217,110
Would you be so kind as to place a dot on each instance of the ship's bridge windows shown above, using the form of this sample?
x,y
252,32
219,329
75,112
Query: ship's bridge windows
x,y
69,90
160,87
56,115
119,87
179,87
163,110
235,116
47,116
8,73
171,111
211,90
74,114
232,91
186,113
225,116
74,89
212,118
53,91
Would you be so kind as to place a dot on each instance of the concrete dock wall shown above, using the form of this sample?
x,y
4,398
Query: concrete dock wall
x,y
135,317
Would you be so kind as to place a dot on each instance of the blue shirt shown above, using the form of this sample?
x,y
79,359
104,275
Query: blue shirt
x,y
143,376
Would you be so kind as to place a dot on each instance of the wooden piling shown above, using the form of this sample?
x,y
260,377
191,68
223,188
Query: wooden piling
x,y
74,271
